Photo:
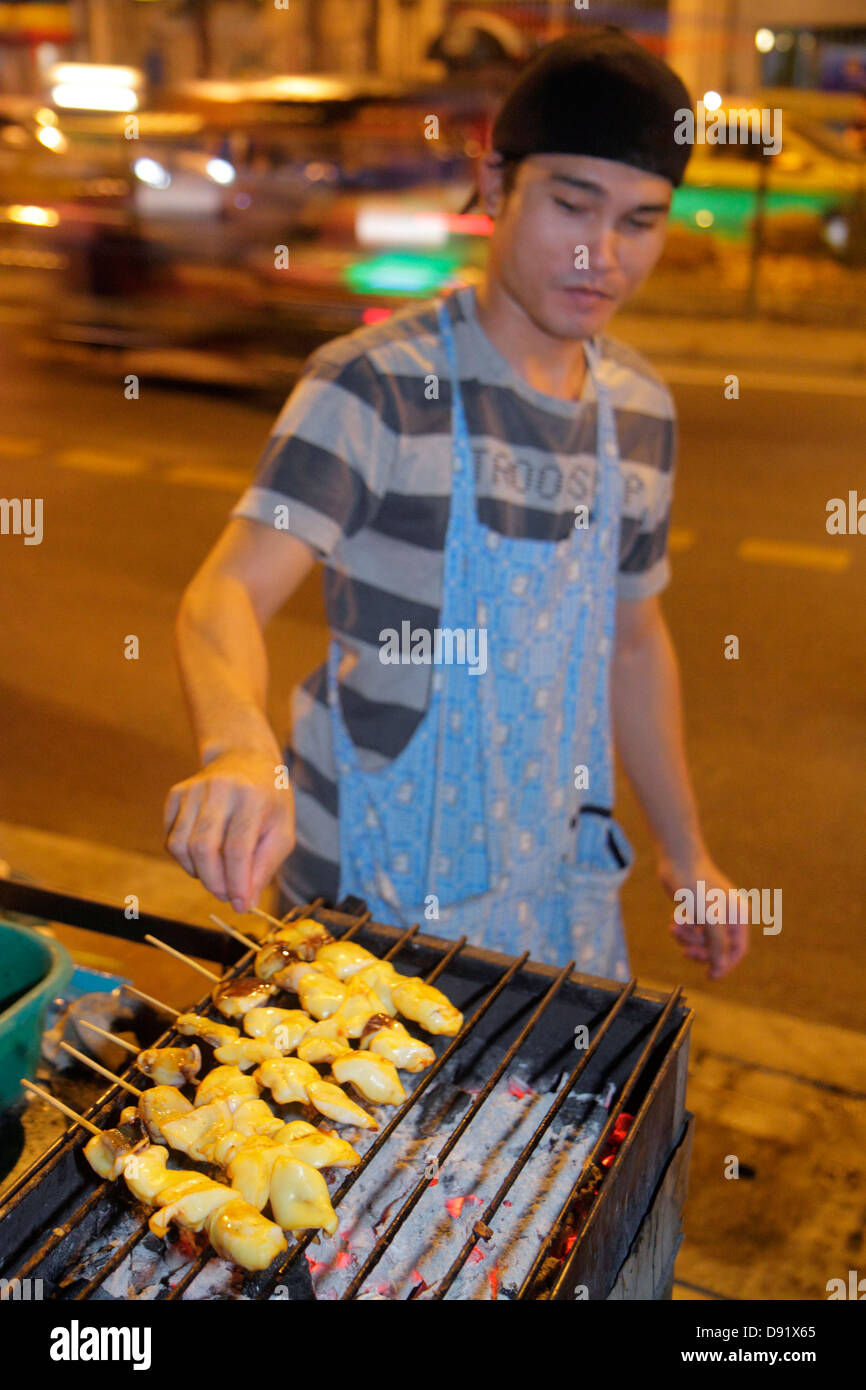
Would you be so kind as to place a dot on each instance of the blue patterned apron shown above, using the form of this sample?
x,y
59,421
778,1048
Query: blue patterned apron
x,y
481,824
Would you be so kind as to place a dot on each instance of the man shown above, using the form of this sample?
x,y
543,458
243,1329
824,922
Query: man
x,y
487,482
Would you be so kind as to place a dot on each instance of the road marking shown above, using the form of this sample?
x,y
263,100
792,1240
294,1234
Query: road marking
x,y
685,374
810,557
200,475
101,461
19,447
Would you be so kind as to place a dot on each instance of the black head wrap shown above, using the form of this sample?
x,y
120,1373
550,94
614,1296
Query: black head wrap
x,y
599,93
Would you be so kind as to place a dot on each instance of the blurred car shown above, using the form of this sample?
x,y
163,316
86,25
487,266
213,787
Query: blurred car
x,y
813,173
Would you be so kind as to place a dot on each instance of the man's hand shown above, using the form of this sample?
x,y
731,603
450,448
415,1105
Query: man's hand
x,y
722,945
231,826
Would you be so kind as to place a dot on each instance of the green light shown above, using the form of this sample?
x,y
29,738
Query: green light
x,y
733,208
400,274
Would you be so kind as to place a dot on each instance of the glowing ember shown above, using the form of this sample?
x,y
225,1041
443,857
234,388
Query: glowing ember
x,y
454,1206
517,1090
315,1265
621,1127
476,1255
343,1260
493,1281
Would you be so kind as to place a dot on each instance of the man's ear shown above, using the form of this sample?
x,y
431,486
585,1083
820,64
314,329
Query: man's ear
x,y
490,183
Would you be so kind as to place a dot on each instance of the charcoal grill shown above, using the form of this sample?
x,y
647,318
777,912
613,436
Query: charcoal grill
x,y
61,1225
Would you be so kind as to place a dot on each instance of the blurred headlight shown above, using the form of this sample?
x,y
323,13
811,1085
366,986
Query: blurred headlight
x,y
52,139
220,171
836,232
82,98
32,216
151,173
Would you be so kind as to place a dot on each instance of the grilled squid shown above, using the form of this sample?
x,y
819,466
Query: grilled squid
x,y
170,1066
388,1038
228,1084
249,1170
375,1077
382,978
299,1197
158,1106
305,937
427,1006
284,1028
359,1006
345,958
107,1151
197,1026
274,958
246,1053
196,1133
320,1148
331,1101
190,1202
238,1232
146,1174
236,997
255,1116
321,994
287,1079
324,1041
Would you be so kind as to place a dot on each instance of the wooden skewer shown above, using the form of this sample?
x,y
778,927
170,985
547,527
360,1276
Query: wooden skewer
x,y
112,1037
149,999
96,1066
266,917
179,955
238,936
58,1105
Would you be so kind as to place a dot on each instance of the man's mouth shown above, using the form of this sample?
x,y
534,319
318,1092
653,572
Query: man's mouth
x,y
585,294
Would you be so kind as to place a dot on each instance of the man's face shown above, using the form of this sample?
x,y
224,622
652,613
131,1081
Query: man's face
x,y
558,204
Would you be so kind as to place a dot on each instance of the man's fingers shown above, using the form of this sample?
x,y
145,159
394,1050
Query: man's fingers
x,y
172,806
186,804
276,842
206,837
738,942
242,836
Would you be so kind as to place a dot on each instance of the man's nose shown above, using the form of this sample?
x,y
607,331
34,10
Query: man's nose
x,y
603,247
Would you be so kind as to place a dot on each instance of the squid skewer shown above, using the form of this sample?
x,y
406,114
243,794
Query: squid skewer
x,y
235,1229
260,1166
192,1025
234,996
167,1066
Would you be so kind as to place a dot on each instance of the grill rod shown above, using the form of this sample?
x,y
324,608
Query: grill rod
x,y
267,1280
443,1285
118,1255
553,1234
454,1137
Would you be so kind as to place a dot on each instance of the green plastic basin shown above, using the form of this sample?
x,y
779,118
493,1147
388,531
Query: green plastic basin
x,y
33,969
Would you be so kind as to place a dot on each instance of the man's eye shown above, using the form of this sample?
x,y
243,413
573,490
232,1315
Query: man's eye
x,y
640,225
571,207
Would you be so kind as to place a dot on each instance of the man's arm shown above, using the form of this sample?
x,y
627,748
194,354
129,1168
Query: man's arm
x,y
648,728
229,824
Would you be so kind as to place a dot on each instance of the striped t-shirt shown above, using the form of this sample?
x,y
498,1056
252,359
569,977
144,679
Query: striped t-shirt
x,y
359,460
